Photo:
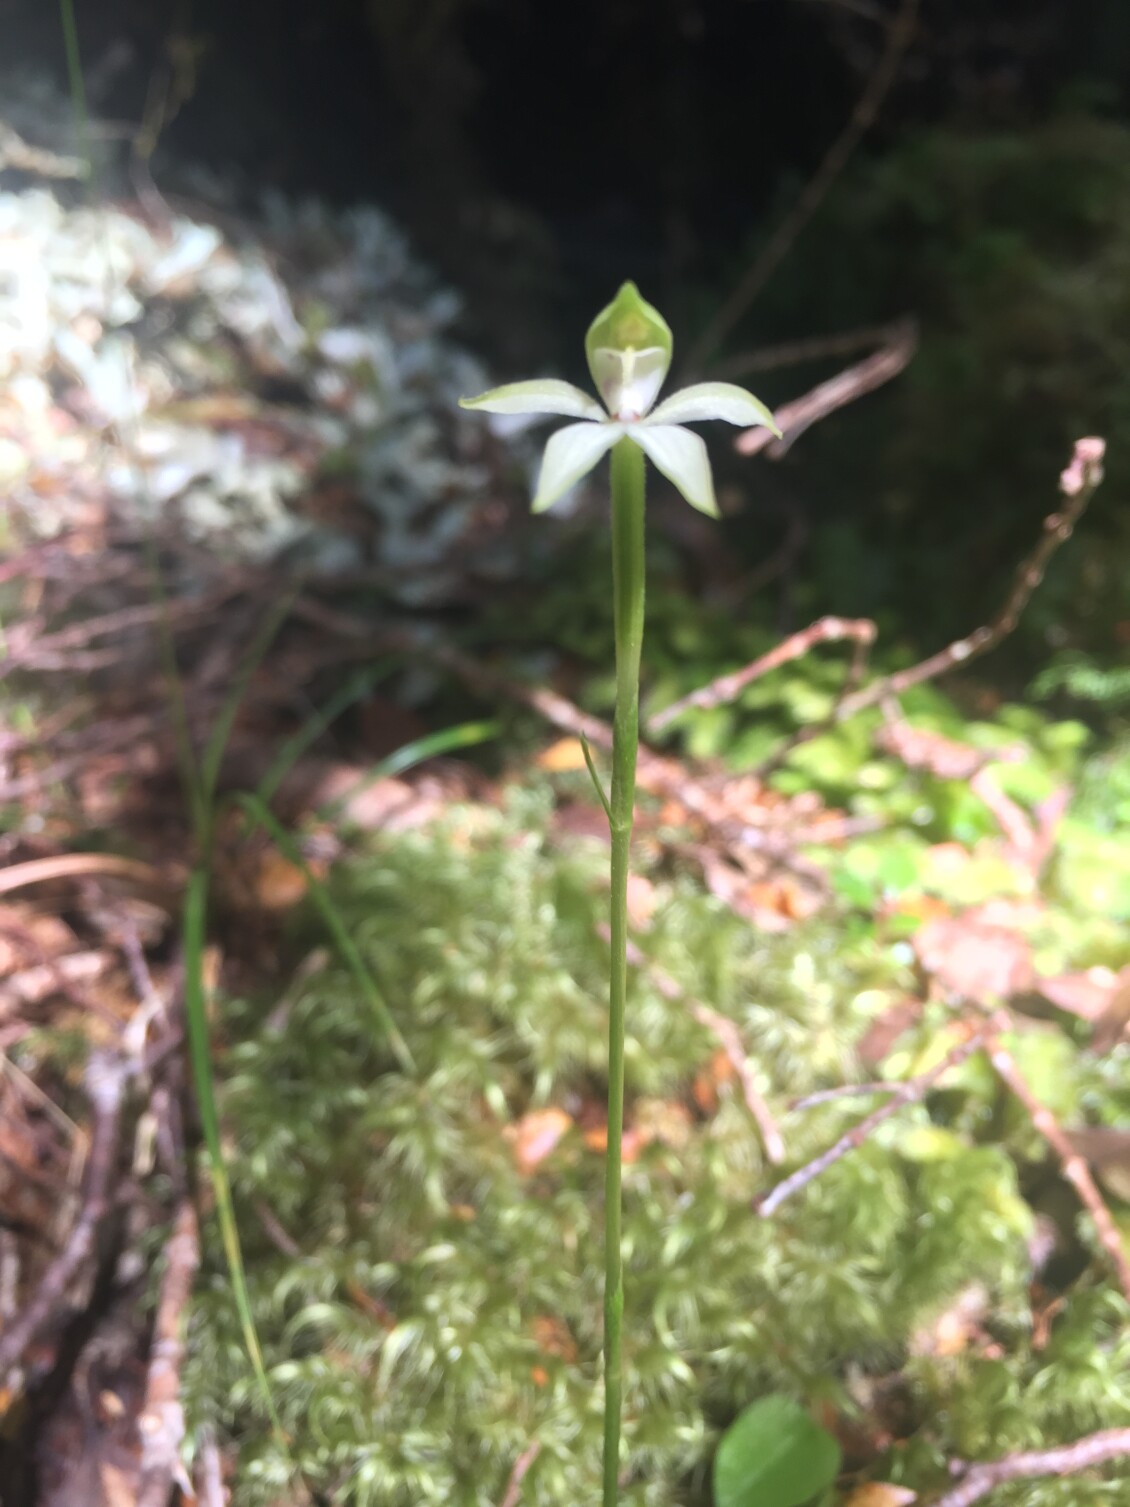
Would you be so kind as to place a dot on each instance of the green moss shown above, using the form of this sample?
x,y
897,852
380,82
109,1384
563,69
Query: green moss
x,y
444,1310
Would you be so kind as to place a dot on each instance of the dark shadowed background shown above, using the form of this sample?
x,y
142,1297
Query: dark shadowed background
x,y
538,154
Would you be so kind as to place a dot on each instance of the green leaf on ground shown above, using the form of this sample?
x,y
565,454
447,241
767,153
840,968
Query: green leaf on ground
x,y
773,1455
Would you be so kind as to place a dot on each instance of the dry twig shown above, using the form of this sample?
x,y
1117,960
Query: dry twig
x,y
521,1466
68,865
768,358
845,387
1075,1169
729,687
725,1032
978,1480
105,1080
161,1422
835,159
1078,484
910,1092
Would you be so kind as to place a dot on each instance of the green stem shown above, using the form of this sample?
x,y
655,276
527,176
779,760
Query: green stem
x,y
628,606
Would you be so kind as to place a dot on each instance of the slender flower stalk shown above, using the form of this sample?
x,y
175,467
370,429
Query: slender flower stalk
x,y
629,352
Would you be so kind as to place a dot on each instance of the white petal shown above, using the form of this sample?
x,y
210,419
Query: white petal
x,y
545,395
682,458
570,454
713,400
629,380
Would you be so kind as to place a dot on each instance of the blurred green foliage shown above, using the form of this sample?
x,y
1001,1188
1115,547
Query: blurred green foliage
x,y
1012,248
440,1307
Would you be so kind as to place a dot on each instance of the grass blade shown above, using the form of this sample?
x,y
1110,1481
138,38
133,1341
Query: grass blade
x,y
196,1014
464,735
261,815
294,747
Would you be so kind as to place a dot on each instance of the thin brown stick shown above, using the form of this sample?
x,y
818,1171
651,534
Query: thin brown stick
x,y
1078,483
725,1032
812,196
161,1421
767,358
521,1465
1075,1169
844,1091
910,1092
730,686
105,1081
794,418
68,865
1066,1460
853,674
208,1474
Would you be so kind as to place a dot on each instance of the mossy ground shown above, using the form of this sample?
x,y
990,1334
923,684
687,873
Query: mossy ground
x,y
443,1309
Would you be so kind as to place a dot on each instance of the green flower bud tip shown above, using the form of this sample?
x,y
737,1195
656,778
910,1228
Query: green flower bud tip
x,y
629,353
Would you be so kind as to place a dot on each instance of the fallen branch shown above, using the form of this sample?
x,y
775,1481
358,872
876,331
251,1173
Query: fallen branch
x,y
728,687
978,1480
161,1421
1075,1169
910,1092
521,1466
845,387
1078,483
725,1032
105,1081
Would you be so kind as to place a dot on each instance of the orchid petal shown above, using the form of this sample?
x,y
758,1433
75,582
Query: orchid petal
x,y
629,380
544,395
713,400
570,454
682,458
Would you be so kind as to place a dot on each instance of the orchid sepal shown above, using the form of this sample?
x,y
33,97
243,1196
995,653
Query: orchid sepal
x,y
543,395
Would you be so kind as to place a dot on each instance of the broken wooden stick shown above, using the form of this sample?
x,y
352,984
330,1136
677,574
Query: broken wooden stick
x,y
910,1092
728,687
978,1480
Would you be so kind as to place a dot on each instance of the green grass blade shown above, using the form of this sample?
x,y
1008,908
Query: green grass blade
x,y
262,816
294,747
464,735
196,1014
75,80
221,732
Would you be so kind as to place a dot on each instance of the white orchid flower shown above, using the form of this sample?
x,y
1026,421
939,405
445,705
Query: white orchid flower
x,y
629,353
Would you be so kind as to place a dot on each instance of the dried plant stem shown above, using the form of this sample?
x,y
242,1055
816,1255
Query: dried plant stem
x,y
161,1423
1078,484
105,1081
910,1092
1093,1449
795,417
517,1475
726,1033
729,687
1075,1169
628,612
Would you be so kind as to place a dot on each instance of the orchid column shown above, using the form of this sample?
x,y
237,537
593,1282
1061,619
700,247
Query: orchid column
x,y
629,352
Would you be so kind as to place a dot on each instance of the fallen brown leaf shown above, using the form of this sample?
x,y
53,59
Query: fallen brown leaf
x,y
970,957
881,1494
536,1135
562,757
